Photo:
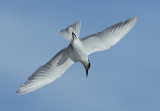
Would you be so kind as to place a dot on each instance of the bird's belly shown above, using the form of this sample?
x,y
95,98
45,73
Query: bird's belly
x,y
79,51
80,55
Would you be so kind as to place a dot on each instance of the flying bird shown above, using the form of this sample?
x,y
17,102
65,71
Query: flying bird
x,y
77,51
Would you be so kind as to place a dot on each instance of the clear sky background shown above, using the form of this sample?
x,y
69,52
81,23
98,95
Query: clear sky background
x,y
123,78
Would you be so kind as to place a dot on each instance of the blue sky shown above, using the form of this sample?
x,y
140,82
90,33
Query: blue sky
x,y
123,78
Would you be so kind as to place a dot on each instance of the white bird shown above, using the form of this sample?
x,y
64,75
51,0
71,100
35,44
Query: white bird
x,y
77,51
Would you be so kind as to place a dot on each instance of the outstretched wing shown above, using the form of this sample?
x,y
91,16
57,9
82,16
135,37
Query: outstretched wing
x,y
109,37
75,28
49,72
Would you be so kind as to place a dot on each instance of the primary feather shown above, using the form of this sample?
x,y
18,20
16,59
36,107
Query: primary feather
x,y
50,71
67,57
109,37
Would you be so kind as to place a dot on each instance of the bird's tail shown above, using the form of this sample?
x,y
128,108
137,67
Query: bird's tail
x,y
75,28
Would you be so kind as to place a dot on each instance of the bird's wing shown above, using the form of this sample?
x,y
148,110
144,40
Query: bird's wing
x,y
49,72
75,28
109,37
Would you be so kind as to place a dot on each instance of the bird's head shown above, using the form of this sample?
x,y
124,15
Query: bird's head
x,y
87,66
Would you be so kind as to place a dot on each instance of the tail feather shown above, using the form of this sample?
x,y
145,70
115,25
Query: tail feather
x,y
75,28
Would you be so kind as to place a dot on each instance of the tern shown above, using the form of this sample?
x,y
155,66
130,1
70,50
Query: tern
x,y
77,51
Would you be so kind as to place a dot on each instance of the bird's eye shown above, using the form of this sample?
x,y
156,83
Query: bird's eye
x,y
73,35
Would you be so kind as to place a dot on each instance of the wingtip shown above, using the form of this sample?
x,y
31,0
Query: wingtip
x,y
18,92
135,18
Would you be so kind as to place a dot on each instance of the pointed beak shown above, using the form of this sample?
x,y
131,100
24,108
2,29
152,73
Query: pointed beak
x,y
87,73
87,68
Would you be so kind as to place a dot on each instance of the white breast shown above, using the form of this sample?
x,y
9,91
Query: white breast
x,y
78,48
